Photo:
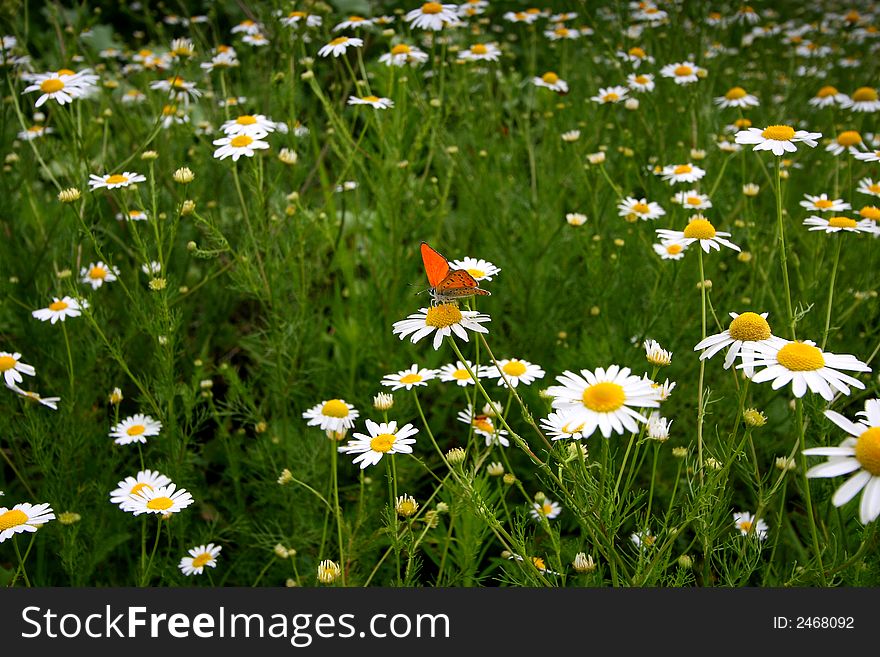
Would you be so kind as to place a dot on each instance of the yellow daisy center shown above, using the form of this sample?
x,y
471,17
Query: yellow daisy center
x,y
383,442
842,222
338,41
849,138
136,430
246,119
546,508
823,203
641,208
637,52
432,8
241,141
371,99
514,368
177,82
145,53
116,179
160,503
7,363
749,326
97,272
355,19
58,305
561,31
604,397
800,357
693,200
745,525
461,375
443,315
735,93
335,408
297,14
13,518
682,71
201,560
476,273
682,168
51,85
550,78
864,94
66,71
411,378
778,132
743,123
572,428
539,563
700,229
611,97
169,110
401,49
480,422
824,92
137,488
674,249
870,212
874,189
867,453
479,49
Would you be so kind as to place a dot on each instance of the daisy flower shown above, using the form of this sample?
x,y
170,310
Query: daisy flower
x,y
12,368
692,200
863,99
805,366
353,22
742,335
177,88
163,500
658,427
575,218
870,156
339,45
114,180
145,479
778,139
828,97
633,209
560,426
551,81
442,320
640,82
135,429
409,378
560,32
61,86
515,370
869,187
402,54
432,16
247,27
680,72
837,224
384,438
253,125
678,173
481,270
822,203
747,525
481,52
526,17
200,557
657,355
24,517
546,509
484,426
699,229
670,249
604,399
50,402
737,97
334,415
35,132
635,56
643,539
846,141
610,95
98,274
859,453
60,309
240,145
294,18
373,101
458,373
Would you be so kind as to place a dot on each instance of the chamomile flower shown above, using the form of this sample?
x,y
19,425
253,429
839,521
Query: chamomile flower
x,y
828,96
240,145
402,54
353,22
253,125
442,320
247,27
551,81
297,18
678,173
742,335
458,373
657,355
610,95
564,425
778,139
514,371
846,141
432,16
640,82
481,52
863,99
658,427
60,310
333,415
481,270
30,395
680,72
868,156
692,200
145,479
869,187
635,56
409,378
96,274
822,203
339,45
859,453
603,399
836,224
180,90
805,366
632,209
746,523
114,180
200,557
61,86
384,438
643,539
547,509
737,97
560,33
484,425
670,249
699,229
163,500
135,429
373,101
35,132
12,368
24,517
526,17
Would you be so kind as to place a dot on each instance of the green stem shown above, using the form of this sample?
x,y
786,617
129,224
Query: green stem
x,y
782,253
839,241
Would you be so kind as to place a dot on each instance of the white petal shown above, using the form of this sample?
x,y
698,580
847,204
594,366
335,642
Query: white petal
x,y
851,488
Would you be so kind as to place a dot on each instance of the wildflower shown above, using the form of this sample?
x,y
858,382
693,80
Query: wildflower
x,y
62,86
641,83
60,309
384,401
699,229
837,224
443,320
677,173
692,200
353,22
458,372
778,139
115,180
564,425
406,506
69,195
551,81
610,95
805,366
751,189
12,368
49,402
639,209
658,427
643,539
747,524
296,18
869,156
178,89
339,45
869,187
409,378
754,418
328,571
575,218
285,477
288,156
596,158
135,429
384,438
201,557
822,203
635,56
680,72
828,96
656,355
96,274
455,456
545,509
495,469
481,270
163,500
481,52
333,415
570,136
744,332
24,517
483,425
583,563
373,101
515,371
183,175
432,16
737,97
670,249
247,27
863,99
403,54
239,145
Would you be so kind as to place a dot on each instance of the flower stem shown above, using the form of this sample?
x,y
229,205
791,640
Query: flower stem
x,y
831,290
782,253
334,476
702,368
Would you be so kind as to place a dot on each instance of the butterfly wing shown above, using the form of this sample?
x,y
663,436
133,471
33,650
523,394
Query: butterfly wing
x,y
436,266
458,283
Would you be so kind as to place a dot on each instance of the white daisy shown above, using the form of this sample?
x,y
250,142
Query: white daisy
x,y
836,224
114,180
741,335
678,173
145,479
779,139
869,156
433,16
442,320
737,97
612,95
481,270
177,88
641,82
828,97
561,33
240,145
692,200
12,368
670,249
247,26
458,373
253,125
373,101
657,355
133,215
60,309
483,425
635,56
201,557
353,22
747,525
515,370
296,18
848,141
805,366
409,378
551,81
61,86
680,72
699,229
163,500
333,415
481,52
402,54
604,399
24,517
384,438
339,45
547,509
35,132
869,187
560,426
527,17
639,209
135,429
256,40
860,454
96,274
49,402
822,203
658,427
863,99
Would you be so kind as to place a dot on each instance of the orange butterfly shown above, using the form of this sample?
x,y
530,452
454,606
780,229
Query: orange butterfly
x,y
447,284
